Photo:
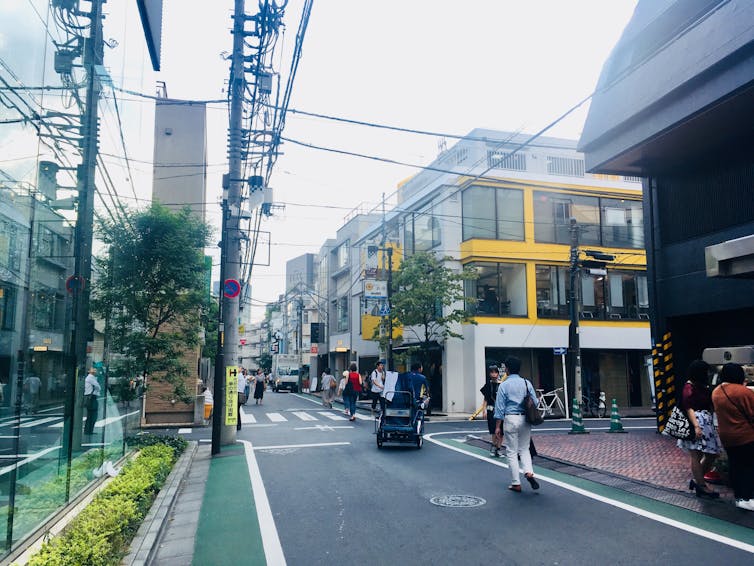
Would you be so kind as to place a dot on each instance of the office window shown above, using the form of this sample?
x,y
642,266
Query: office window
x,y
553,286
425,229
342,256
500,289
44,310
592,296
342,314
493,214
7,307
628,297
622,223
553,213
10,254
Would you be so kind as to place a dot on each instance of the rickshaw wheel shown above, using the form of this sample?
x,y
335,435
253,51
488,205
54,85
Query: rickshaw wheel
x,y
379,441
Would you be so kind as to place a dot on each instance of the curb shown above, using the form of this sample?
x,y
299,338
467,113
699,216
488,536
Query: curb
x,y
146,542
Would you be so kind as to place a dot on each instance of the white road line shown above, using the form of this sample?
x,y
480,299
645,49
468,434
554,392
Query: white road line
x,y
276,417
38,422
316,445
304,416
13,421
273,550
328,428
619,504
361,417
332,416
101,422
185,430
247,419
36,456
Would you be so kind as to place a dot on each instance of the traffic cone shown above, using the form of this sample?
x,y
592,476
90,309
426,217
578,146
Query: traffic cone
x,y
577,426
615,424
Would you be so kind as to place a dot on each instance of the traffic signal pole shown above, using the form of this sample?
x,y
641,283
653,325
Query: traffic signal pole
x,y
230,259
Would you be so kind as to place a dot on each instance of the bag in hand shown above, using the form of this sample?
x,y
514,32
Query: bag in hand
x,y
678,425
348,389
531,413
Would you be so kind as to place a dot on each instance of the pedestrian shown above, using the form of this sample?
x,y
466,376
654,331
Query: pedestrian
x,y
342,391
377,382
241,389
696,403
247,381
329,385
209,402
91,394
509,417
259,387
352,389
734,407
419,383
489,392
32,387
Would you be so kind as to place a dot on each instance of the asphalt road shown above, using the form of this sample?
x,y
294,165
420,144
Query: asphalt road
x,y
337,499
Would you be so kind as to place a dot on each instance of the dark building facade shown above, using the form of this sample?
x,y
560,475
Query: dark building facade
x,y
673,105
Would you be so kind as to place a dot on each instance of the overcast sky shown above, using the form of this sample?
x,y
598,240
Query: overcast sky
x,y
437,65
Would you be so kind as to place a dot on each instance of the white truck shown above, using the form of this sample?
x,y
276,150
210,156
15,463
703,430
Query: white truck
x,y
285,372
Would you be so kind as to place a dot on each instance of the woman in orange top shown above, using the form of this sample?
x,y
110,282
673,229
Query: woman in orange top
x,y
734,406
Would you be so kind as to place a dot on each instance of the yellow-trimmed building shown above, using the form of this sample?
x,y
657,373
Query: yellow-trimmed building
x,y
506,210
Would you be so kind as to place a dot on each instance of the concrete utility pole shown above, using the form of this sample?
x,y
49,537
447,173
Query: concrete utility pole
x,y
231,236
574,346
93,57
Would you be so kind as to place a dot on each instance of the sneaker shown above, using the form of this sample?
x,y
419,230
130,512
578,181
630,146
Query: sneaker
x,y
493,453
746,504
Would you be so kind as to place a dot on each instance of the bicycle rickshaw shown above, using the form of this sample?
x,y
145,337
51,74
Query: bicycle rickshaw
x,y
402,420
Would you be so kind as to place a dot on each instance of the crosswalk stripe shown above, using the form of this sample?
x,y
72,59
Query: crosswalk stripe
x,y
332,416
304,416
13,421
361,417
247,419
37,422
276,417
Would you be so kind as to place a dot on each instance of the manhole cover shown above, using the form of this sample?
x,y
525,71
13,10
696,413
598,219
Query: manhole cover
x,y
457,501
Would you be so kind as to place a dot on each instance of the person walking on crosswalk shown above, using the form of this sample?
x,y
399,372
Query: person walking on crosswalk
x,y
328,388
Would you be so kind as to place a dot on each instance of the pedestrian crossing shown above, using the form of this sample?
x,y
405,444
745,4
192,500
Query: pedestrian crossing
x,y
54,422
296,415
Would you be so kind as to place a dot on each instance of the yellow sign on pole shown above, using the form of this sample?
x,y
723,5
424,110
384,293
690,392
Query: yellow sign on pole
x,y
231,395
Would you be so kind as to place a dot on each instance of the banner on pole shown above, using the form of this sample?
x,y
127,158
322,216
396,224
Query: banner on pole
x,y
231,395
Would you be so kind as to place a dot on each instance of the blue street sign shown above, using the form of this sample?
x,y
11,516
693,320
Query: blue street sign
x,y
384,309
559,351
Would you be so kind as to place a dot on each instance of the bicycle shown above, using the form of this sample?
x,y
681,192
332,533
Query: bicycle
x,y
594,407
548,401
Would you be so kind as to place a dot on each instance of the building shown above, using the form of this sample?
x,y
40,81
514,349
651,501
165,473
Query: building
x,y
673,105
504,209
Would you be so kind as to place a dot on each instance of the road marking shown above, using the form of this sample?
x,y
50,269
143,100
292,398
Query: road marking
x,y
101,422
37,422
332,416
273,550
361,417
276,417
185,430
664,519
304,416
36,456
13,422
328,428
247,419
316,445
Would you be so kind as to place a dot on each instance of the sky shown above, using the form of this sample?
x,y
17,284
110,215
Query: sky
x,y
436,65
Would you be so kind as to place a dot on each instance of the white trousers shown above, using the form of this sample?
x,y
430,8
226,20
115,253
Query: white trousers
x,y
517,434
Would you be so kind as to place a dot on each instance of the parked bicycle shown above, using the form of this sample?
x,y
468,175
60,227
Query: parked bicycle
x,y
550,401
594,405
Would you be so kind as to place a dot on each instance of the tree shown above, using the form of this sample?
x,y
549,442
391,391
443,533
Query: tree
x,y
425,295
150,290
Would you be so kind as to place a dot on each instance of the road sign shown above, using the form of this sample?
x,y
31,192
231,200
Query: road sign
x,y
231,289
384,309
231,395
75,283
560,351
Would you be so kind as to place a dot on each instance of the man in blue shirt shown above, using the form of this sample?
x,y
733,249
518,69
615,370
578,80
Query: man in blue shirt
x,y
509,414
419,383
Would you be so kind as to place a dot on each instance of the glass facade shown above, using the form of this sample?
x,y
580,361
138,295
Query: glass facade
x,y
500,289
46,459
493,213
605,222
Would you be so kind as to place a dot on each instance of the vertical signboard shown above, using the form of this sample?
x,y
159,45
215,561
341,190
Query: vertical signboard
x,y
231,395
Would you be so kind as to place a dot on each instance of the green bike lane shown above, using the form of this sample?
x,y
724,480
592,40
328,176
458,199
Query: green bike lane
x,y
736,536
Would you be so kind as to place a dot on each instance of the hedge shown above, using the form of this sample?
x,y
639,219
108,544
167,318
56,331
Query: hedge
x,y
101,533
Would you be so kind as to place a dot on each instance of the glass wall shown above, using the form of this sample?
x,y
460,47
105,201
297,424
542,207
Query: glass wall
x,y
493,213
553,287
500,289
602,221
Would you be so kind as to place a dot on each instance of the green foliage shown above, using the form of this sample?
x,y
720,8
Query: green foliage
x,y
151,289
210,319
101,533
177,443
428,299
265,361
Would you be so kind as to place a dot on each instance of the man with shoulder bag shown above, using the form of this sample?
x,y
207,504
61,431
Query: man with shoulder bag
x,y
91,394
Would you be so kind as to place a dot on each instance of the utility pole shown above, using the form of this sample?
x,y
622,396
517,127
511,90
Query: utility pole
x,y
389,309
93,57
574,346
230,259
